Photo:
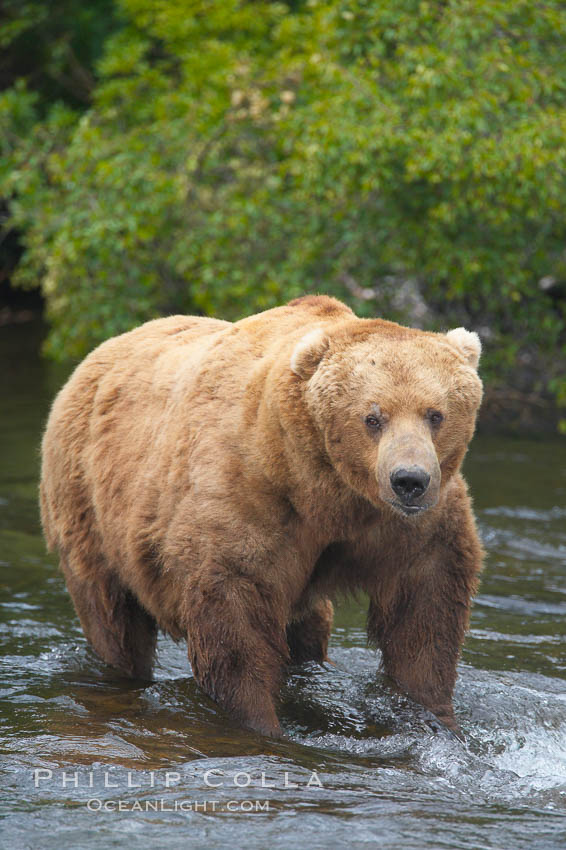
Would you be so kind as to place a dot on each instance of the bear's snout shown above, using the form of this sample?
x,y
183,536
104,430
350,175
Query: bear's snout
x,y
408,471
409,484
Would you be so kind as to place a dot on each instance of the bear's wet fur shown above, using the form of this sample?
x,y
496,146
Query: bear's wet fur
x,y
223,482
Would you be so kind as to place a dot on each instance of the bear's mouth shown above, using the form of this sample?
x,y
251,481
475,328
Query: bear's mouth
x,y
408,510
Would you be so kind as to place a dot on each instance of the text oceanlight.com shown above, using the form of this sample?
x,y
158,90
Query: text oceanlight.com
x,y
220,784
162,805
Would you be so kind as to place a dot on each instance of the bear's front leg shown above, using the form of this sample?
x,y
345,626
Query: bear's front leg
x,y
419,614
236,643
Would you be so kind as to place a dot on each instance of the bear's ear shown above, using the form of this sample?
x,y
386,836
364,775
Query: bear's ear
x,y
308,353
468,343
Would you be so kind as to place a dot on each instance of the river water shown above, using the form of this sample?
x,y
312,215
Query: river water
x,y
93,761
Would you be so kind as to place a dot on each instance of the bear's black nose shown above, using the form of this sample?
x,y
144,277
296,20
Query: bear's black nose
x,y
409,484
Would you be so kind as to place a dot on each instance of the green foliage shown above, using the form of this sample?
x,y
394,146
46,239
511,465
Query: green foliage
x,y
237,154
53,46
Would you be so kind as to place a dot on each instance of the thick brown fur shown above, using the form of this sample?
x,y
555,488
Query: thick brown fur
x,y
219,482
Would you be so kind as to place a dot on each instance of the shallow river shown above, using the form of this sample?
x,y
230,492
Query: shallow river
x,y
90,760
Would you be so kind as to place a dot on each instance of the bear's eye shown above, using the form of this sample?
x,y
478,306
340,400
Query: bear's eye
x,y
373,422
435,417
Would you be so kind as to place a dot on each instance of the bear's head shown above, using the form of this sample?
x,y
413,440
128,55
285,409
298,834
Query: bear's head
x,y
395,407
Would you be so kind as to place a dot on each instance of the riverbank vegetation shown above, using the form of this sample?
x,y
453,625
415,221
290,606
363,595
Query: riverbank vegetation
x,y
222,157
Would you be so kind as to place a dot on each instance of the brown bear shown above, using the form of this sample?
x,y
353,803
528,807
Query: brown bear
x,y
222,482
